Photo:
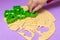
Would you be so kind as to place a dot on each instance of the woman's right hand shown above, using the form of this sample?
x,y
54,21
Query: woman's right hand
x,y
35,5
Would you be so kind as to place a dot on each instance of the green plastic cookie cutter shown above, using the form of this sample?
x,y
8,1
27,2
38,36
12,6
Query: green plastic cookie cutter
x,y
27,13
6,13
17,8
18,13
21,16
11,19
32,15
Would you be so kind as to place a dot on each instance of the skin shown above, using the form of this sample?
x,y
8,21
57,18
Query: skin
x,y
35,5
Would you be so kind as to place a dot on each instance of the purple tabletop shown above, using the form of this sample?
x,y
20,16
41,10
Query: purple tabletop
x,y
7,34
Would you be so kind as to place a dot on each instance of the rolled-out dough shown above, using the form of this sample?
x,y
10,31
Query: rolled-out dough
x,y
44,18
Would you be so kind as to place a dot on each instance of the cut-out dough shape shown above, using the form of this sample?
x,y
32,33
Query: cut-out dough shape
x,y
44,18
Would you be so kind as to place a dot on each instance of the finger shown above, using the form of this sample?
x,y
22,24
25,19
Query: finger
x,y
37,8
29,3
32,6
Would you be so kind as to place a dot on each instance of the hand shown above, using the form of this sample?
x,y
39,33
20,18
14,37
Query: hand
x,y
35,5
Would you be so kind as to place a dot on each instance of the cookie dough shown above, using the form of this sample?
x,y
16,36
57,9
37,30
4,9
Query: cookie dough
x,y
44,18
